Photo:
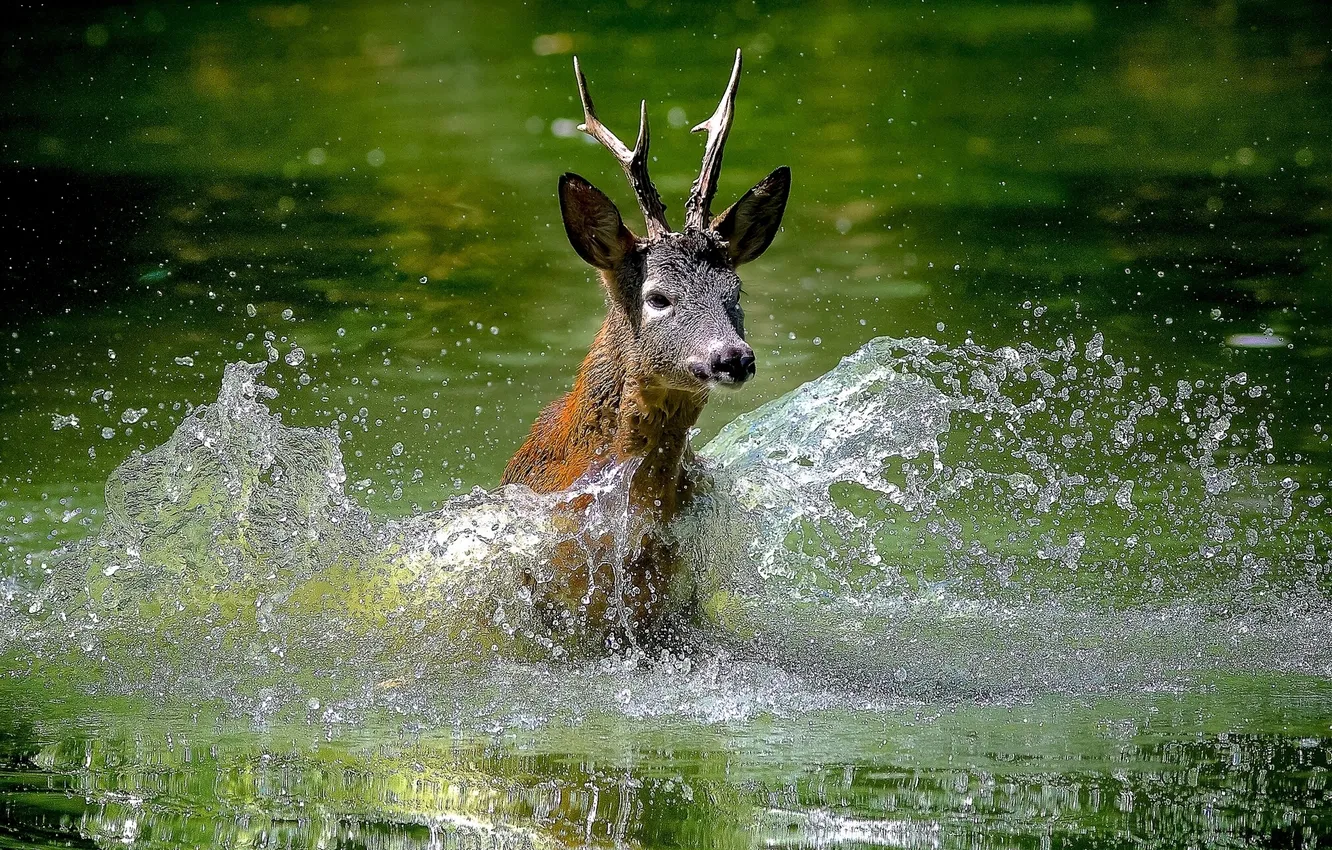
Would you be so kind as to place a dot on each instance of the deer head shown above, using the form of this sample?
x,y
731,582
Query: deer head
x,y
676,293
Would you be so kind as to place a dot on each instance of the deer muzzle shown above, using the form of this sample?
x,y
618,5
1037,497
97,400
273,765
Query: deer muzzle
x,y
731,364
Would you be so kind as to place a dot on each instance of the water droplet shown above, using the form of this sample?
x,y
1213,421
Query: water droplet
x,y
1095,346
1255,341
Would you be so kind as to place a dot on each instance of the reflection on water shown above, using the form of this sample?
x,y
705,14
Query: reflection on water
x,y
1149,771
1059,579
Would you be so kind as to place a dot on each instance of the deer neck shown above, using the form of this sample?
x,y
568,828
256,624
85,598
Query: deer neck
x,y
654,425
635,418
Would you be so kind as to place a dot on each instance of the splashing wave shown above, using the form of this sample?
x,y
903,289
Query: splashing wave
x,y
921,522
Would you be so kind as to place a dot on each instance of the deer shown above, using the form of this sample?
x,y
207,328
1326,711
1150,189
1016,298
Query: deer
x,y
673,333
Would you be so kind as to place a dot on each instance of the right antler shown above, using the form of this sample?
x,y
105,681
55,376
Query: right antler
x,y
633,162
699,206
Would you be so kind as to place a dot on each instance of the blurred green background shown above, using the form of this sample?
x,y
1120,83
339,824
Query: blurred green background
x,y
373,183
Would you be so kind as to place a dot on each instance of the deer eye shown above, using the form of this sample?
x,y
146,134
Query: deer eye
x,y
657,301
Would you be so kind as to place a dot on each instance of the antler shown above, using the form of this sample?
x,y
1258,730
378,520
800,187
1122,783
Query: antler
x,y
633,162
698,207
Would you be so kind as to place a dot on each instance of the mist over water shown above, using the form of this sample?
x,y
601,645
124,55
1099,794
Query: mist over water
x,y
921,523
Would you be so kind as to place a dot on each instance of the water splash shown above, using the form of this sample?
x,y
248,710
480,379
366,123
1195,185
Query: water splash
x,y
928,520
921,522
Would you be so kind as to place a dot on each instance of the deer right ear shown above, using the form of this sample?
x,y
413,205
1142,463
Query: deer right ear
x,y
593,223
751,222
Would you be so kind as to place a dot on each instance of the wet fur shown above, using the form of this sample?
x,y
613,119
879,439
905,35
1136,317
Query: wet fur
x,y
635,399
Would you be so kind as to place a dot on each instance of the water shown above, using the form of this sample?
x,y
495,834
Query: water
x,y
1045,565
234,578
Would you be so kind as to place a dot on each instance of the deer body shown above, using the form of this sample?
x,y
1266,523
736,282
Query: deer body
x,y
610,416
673,331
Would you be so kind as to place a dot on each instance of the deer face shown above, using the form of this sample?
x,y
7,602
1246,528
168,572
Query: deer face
x,y
691,329
678,292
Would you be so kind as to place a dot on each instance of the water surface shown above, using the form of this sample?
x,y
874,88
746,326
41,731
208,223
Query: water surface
x,y
995,603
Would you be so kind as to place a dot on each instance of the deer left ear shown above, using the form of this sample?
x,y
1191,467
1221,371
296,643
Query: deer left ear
x,y
750,224
592,223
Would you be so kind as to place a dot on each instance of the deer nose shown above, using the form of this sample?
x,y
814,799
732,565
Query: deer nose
x,y
733,364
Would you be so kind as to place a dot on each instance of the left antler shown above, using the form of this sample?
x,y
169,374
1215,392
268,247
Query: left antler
x,y
634,162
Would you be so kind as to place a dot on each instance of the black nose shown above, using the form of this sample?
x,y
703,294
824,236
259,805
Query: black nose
x,y
735,362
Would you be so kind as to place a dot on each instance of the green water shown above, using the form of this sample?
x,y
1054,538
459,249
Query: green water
x,y
374,184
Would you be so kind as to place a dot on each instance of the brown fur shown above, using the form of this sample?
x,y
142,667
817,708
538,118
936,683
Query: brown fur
x,y
611,416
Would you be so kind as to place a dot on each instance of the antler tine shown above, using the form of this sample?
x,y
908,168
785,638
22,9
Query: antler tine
x,y
634,162
718,127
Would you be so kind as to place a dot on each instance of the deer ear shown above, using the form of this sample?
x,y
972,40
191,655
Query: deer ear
x,y
593,223
751,222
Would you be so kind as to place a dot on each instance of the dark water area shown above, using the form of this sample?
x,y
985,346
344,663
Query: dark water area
x,y
1134,200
